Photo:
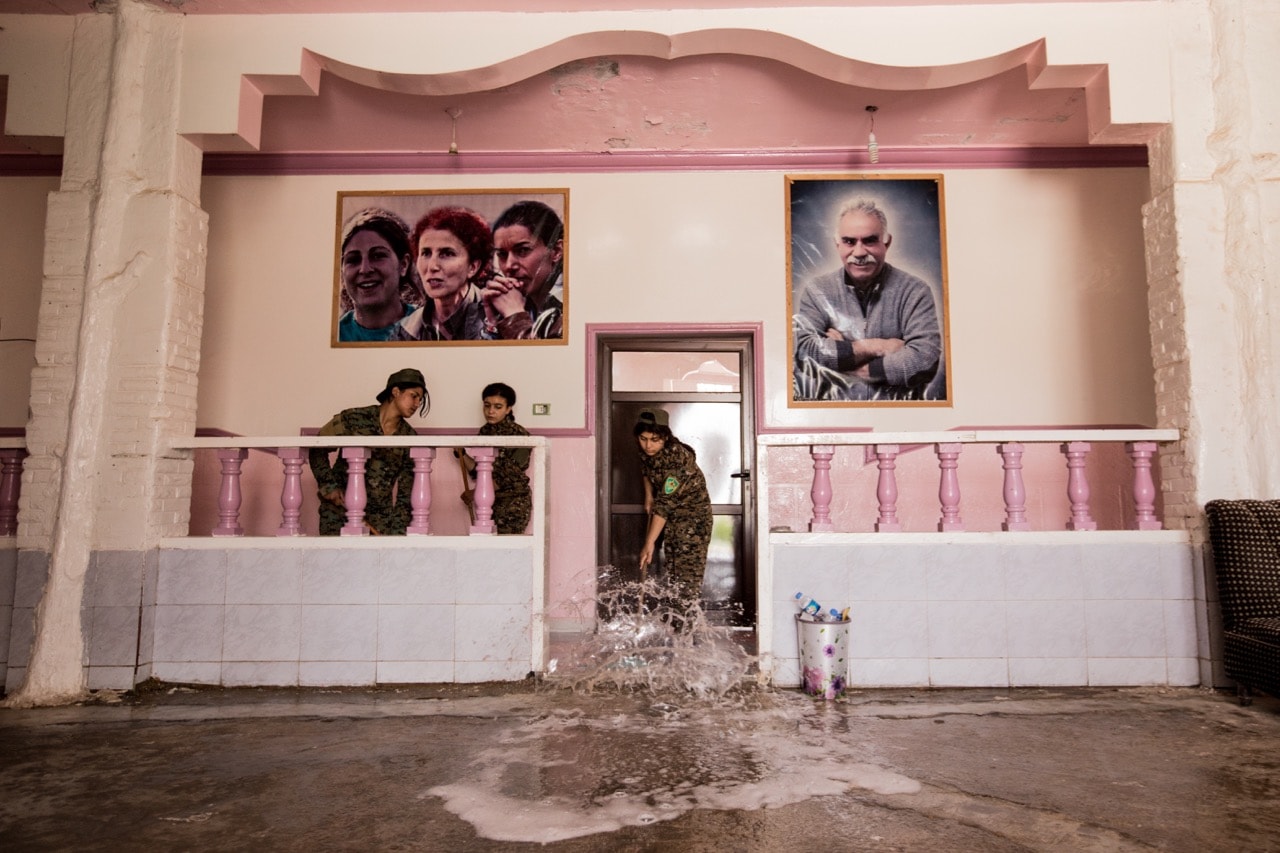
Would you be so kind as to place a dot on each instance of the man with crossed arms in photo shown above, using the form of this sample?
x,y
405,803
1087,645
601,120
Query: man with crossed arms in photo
x,y
867,331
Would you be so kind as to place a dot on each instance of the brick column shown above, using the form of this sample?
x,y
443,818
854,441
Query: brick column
x,y
1213,245
118,340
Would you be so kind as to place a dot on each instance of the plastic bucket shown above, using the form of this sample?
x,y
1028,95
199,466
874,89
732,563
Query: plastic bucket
x,y
824,656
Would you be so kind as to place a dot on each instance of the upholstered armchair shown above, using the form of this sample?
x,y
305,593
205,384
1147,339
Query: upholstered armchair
x,y
1245,535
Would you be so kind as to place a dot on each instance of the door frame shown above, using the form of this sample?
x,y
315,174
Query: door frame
x,y
603,341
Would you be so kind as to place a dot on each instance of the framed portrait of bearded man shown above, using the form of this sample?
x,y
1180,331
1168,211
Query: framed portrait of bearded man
x,y
867,291
451,267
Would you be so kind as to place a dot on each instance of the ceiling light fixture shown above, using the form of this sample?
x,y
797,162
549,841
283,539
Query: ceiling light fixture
x,y
453,113
873,148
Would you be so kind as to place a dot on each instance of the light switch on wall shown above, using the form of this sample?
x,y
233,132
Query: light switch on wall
x,y
542,408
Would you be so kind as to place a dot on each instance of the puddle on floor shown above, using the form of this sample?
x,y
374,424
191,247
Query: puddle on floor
x,y
664,718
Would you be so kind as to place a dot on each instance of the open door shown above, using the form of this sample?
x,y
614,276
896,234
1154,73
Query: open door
x,y
704,383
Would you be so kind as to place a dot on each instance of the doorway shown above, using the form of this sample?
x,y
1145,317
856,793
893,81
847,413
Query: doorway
x,y
705,382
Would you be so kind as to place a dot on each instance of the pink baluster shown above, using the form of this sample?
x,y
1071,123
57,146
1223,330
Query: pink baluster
x,y
820,492
1078,486
887,488
483,497
356,496
291,494
420,497
949,487
229,495
1015,494
1144,487
10,488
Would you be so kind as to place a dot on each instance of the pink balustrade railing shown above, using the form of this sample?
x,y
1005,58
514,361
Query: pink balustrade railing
x,y
12,452
884,449
292,453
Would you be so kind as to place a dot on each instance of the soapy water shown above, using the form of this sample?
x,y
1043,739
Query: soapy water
x,y
647,638
582,764
651,716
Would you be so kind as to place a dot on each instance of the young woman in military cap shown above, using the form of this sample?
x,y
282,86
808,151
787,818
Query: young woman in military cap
x,y
388,467
676,499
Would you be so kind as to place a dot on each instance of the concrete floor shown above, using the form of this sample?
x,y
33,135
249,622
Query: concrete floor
x,y
529,767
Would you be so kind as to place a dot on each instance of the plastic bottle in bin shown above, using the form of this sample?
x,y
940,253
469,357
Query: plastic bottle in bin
x,y
809,607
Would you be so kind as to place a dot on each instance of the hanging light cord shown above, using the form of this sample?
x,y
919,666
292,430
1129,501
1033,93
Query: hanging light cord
x,y
873,148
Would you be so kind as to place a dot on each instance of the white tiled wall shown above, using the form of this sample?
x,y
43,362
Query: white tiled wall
x,y
995,611
343,616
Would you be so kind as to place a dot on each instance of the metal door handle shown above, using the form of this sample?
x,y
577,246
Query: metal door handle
x,y
741,475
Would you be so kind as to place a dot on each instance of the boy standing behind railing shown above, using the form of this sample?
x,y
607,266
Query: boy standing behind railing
x,y
512,498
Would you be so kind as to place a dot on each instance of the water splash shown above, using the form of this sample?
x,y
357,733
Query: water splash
x,y
647,638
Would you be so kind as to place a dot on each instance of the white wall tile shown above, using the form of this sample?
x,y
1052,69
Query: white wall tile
x,y
414,672
967,629
109,677
493,632
1123,672
898,672
30,575
1046,629
1179,572
494,577
474,672
417,577
348,673
1123,571
114,578
962,573
1183,672
786,672
889,629
1125,629
889,581
339,632
1180,629
187,672
1047,672
265,673
262,632
113,636
969,672
195,576
340,577
415,632
264,577
1044,572
188,633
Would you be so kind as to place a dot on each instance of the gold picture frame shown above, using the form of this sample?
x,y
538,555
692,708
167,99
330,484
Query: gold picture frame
x,y
867,310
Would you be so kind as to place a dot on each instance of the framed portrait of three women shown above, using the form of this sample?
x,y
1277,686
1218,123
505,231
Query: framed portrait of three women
x,y
451,267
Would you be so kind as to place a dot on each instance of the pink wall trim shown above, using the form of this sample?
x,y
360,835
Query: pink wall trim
x,y
594,330
484,162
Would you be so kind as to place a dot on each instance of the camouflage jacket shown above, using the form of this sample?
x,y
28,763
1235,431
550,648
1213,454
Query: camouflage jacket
x,y
386,465
509,468
679,488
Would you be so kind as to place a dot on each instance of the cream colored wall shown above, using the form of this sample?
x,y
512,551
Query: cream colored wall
x,y
22,212
1048,317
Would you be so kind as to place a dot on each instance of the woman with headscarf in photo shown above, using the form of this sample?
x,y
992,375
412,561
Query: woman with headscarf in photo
x,y
453,250
388,469
375,262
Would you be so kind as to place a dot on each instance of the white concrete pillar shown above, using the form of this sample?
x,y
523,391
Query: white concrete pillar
x,y
118,340
1213,259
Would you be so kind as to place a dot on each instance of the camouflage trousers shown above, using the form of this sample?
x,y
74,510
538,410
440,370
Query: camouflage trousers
x,y
684,550
511,511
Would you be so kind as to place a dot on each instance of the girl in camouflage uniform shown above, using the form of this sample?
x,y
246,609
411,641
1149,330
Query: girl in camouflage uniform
x,y
512,498
676,499
387,469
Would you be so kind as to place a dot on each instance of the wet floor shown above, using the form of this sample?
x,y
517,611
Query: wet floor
x,y
536,767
